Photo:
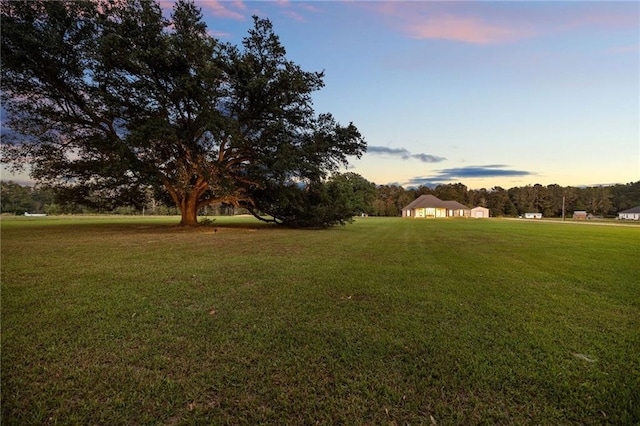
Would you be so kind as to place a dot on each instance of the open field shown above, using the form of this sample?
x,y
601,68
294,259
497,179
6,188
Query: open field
x,y
386,321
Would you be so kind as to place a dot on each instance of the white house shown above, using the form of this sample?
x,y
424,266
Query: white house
x,y
479,212
427,205
533,215
631,214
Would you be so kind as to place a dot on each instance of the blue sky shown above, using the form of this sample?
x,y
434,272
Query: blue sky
x,y
485,93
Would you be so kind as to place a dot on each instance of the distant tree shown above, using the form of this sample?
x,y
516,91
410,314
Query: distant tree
x,y
524,198
384,202
597,200
15,198
477,197
510,209
422,190
572,199
452,192
110,98
499,204
19,199
544,202
404,198
390,199
554,194
42,198
624,197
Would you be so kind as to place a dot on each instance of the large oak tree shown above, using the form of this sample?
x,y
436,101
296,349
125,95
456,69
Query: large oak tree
x,y
111,96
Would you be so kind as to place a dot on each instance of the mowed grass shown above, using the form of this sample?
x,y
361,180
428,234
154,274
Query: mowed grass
x,y
386,321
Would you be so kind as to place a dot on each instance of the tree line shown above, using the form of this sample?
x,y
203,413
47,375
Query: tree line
x,y
605,201
347,194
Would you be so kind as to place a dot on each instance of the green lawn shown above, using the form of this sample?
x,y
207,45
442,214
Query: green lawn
x,y
385,321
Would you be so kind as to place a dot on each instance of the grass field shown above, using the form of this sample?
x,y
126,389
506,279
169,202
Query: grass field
x,y
385,321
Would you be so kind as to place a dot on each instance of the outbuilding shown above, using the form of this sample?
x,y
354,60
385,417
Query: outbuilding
x,y
580,215
631,214
533,215
479,212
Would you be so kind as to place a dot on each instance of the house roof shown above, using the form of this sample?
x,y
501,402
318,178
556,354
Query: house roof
x,y
431,201
425,200
633,210
454,205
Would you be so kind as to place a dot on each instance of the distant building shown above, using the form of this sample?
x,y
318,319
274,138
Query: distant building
x,y
533,216
631,214
580,215
427,205
479,212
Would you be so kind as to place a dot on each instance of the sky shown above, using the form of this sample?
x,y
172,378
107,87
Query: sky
x,y
485,93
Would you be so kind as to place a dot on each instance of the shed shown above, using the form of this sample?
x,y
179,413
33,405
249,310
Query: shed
x,y
580,215
479,212
631,214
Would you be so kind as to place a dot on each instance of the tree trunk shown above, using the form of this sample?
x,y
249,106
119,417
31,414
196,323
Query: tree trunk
x,y
189,210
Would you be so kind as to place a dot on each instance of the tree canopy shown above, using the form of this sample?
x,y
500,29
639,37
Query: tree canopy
x,y
111,97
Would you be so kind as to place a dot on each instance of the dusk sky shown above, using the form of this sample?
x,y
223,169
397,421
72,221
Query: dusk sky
x,y
485,93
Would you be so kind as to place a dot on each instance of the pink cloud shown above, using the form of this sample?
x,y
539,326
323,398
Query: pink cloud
x,y
309,8
468,30
223,9
449,21
296,10
294,15
218,34
166,4
239,4
597,18
626,49
497,22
